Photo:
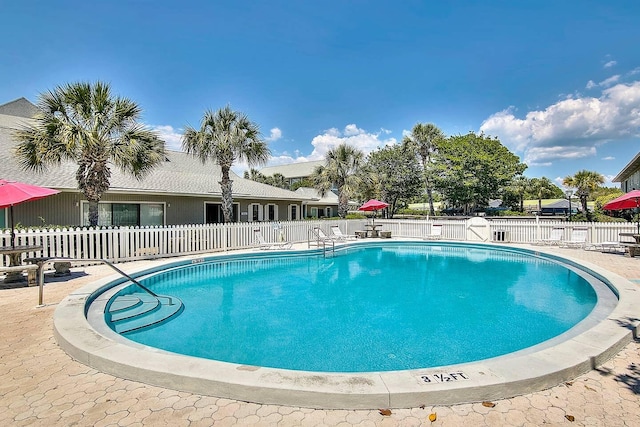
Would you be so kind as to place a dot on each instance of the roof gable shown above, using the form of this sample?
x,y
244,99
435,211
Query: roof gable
x,y
20,107
632,167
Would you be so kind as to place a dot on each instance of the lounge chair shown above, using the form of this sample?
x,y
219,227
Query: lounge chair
x,y
321,236
336,234
436,232
555,238
578,238
610,247
263,244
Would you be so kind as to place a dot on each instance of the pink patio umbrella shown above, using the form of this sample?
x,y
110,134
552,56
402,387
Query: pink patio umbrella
x,y
631,200
373,205
13,193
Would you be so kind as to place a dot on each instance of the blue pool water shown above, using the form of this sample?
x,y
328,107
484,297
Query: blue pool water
x,y
387,307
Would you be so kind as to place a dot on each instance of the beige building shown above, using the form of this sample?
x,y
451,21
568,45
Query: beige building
x,y
180,191
629,176
293,172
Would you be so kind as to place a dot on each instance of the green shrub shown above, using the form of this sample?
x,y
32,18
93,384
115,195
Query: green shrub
x,y
355,216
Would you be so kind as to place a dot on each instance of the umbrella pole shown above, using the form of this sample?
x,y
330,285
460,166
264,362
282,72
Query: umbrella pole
x,y
638,214
13,231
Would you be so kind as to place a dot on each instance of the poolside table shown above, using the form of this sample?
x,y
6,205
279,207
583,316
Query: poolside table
x,y
15,259
373,229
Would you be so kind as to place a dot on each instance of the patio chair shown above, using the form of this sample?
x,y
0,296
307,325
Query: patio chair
x,y
321,236
555,238
263,244
337,234
578,238
436,232
609,247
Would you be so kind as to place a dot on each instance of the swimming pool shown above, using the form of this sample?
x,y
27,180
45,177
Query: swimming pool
x,y
368,308
81,330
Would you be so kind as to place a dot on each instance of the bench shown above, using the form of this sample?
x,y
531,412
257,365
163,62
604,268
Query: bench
x,y
634,248
32,272
385,234
361,234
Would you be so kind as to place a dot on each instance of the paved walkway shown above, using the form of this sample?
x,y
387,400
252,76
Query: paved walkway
x,y
40,385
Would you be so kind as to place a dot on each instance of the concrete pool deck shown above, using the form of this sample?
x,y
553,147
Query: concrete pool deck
x,y
42,385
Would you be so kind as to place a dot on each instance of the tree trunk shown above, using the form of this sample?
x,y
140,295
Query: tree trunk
x,y
93,213
427,184
432,212
227,196
343,205
583,200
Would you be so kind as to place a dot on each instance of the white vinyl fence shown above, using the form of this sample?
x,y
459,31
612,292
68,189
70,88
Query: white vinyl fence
x,y
132,243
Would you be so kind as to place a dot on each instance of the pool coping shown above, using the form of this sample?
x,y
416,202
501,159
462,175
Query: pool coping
x,y
501,377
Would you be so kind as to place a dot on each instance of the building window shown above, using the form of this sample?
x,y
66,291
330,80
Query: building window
x,y
293,212
255,213
271,212
126,214
213,213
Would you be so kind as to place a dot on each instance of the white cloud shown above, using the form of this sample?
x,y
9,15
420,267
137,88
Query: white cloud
x,y
605,83
352,135
543,156
169,135
570,128
330,138
274,135
610,81
610,64
608,158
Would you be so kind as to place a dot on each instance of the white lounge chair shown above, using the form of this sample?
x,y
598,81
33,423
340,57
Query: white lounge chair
x,y
610,247
436,232
337,234
321,236
578,238
263,244
555,238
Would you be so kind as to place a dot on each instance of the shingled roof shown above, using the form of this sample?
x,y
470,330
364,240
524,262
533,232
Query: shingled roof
x,y
180,174
20,107
293,170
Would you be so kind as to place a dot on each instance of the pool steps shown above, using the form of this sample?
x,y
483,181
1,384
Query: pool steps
x,y
140,310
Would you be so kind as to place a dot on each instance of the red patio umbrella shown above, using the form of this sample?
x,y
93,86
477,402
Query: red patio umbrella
x,y
13,193
373,205
631,200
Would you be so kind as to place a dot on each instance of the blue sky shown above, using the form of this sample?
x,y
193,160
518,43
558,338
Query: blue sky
x,y
557,81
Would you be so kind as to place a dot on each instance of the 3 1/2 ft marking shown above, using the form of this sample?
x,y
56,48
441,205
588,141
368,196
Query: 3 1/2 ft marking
x,y
444,377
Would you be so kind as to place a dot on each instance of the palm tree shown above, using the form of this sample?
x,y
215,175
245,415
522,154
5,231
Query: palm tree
x,y
84,123
224,137
255,175
424,139
340,170
278,180
542,188
585,182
